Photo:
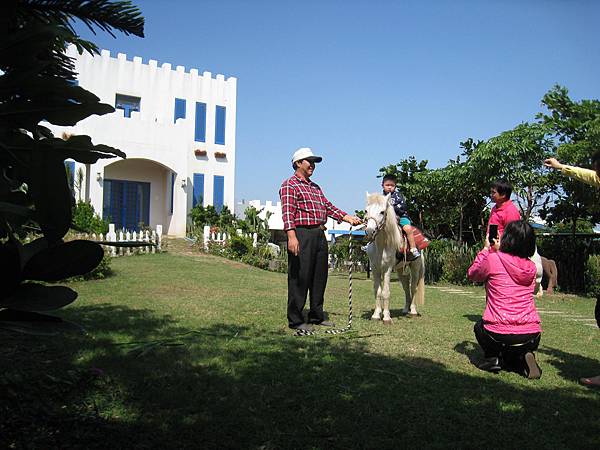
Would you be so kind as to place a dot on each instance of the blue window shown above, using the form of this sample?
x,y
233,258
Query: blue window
x,y
218,194
220,125
200,130
172,190
126,203
198,189
127,103
70,169
179,109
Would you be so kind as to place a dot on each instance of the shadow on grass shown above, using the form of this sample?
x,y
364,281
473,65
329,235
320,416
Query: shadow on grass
x,y
225,386
571,366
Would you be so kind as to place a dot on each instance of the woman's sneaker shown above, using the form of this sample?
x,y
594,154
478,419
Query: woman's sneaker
x,y
532,370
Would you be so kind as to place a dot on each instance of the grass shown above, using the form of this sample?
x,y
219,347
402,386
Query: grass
x,y
192,351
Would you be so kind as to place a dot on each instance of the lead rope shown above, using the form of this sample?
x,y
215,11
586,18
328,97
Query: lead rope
x,y
349,326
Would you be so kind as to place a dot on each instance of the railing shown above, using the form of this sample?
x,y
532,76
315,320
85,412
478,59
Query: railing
x,y
125,242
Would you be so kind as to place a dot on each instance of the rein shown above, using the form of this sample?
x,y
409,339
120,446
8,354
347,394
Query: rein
x,y
379,226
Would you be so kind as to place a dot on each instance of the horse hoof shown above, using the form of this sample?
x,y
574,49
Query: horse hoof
x,y
387,321
375,318
414,315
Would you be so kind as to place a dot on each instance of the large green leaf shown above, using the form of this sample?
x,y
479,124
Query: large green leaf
x,y
51,194
62,261
39,297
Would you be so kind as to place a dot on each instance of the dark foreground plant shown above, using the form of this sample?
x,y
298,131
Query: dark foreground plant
x,y
38,84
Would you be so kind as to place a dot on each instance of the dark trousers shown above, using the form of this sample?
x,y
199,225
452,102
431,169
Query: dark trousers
x,y
307,273
510,347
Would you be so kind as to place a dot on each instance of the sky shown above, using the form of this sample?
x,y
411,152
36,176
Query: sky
x,y
366,84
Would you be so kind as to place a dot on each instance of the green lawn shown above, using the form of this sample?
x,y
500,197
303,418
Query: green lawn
x,y
194,352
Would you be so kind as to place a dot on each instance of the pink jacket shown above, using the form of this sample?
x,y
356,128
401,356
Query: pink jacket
x,y
509,284
503,214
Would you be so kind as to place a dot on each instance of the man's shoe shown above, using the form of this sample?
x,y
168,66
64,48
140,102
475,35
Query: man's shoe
x,y
532,370
326,323
302,327
490,364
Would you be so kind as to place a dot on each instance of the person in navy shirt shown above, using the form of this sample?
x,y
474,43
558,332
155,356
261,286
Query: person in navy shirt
x,y
401,209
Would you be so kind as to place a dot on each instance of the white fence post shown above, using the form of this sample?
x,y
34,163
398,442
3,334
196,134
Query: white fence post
x,y
158,237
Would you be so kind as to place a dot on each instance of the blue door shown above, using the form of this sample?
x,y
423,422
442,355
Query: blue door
x,y
126,204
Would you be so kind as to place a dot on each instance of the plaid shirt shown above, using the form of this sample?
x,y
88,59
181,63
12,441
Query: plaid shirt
x,y
303,204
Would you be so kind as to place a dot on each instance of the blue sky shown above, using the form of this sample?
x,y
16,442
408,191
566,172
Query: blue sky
x,y
368,83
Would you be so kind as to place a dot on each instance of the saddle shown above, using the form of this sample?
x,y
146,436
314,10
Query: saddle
x,y
421,242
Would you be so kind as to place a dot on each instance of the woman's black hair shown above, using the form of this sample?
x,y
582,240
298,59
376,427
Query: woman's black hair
x,y
518,239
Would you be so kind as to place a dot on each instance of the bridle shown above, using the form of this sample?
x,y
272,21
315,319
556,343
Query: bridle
x,y
378,225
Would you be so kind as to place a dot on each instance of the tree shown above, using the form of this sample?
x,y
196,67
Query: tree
x,y
516,156
575,128
38,84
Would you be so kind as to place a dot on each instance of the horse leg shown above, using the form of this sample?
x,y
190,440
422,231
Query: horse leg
x,y
537,259
385,293
377,291
405,282
416,287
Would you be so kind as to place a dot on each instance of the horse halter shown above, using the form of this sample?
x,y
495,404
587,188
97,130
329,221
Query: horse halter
x,y
379,226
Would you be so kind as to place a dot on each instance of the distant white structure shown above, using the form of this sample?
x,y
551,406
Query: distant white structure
x,y
276,218
177,129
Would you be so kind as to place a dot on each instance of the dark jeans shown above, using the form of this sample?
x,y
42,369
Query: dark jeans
x,y
509,347
307,273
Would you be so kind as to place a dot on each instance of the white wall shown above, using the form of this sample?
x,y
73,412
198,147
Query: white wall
x,y
276,219
151,133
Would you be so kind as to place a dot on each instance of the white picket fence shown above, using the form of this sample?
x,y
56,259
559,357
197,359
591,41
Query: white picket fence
x,y
153,239
222,238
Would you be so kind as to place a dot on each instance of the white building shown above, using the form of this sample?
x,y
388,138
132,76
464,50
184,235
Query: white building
x,y
177,129
276,217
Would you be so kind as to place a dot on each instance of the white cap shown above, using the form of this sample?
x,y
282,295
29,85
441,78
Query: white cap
x,y
305,153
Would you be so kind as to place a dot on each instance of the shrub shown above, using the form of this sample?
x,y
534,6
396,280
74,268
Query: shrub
x,y
239,246
448,261
592,276
86,219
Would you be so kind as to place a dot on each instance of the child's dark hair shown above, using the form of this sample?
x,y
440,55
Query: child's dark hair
x,y
503,187
518,239
389,177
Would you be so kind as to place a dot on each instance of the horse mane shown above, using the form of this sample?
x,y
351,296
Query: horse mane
x,y
391,229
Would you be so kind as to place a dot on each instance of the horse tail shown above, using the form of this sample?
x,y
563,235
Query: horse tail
x,y
419,298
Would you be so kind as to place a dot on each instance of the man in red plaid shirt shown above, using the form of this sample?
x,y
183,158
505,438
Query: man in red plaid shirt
x,y
305,211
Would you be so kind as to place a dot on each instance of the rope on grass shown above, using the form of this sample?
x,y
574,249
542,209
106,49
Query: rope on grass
x,y
349,326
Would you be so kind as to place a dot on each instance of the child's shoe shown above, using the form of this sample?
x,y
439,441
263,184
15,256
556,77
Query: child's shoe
x,y
415,252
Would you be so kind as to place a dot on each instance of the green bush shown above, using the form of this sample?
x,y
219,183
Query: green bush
x,y
239,246
86,219
592,276
449,261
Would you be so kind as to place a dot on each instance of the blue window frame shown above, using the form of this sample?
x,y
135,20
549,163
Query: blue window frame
x,y
127,103
218,192
198,190
200,129
172,191
179,109
220,125
126,203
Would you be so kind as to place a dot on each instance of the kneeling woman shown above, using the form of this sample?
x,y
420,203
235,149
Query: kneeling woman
x,y
510,330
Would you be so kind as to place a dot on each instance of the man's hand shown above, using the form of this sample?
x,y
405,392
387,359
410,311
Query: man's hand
x,y
352,220
293,244
553,162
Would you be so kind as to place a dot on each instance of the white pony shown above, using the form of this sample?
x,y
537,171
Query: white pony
x,y
386,242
